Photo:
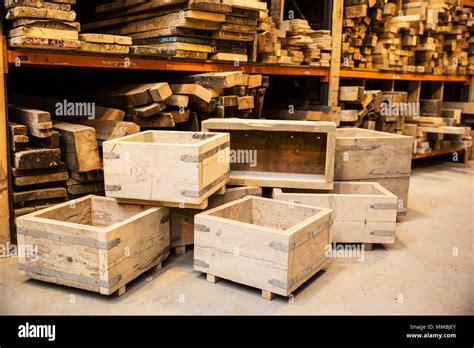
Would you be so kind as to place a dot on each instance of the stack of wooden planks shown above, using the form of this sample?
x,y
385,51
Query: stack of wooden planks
x,y
75,138
38,173
195,29
470,51
409,36
185,101
103,43
42,24
305,45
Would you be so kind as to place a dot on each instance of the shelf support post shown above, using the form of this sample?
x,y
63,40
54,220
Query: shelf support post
x,y
334,71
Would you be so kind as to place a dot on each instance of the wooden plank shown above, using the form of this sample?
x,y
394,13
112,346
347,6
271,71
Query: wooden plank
x,y
217,79
334,72
5,211
38,122
36,195
42,13
107,130
36,158
79,146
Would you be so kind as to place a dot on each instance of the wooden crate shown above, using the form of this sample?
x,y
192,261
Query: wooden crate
x,y
166,167
182,220
293,154
363,212
94,243
365,154
371,156
263,243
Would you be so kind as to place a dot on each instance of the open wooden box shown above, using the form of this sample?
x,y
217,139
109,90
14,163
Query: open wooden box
x,y
294,154
371,156
263,243
365,154
363,212
93,243
166,167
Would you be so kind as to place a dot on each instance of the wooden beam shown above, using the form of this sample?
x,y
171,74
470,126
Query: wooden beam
x,y
277,7
334,72
4,188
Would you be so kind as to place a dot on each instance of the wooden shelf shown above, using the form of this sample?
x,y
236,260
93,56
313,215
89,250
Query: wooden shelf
x,y
378,75
18,59
438,152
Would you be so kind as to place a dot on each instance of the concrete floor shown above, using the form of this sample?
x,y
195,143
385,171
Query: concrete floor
x,y
417,275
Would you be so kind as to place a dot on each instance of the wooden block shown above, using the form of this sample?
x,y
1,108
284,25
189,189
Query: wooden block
x,y
363,212
59,168
364,154
37,195
148,110
108,114
92,176
160,120
194,91
34,120
349,115
72,237
228,101
41,13
187,174
138,95
107,130
431,107
44,43
182,220
264,220
104,48
410,130
74,188
106,39
351,94
80,149
44,33
52,142
244,103
40,179
178,101
36,158
254,81
217,79
357,11
270,139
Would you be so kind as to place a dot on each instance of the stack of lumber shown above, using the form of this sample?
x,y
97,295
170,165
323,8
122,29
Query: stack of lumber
x,y
192,29
423,36
470,51
37,171
78,138
431,137
269,38
42,24
305,45
185,101
384,111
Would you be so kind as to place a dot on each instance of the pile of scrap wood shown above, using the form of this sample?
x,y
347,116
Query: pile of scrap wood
x,y
38,174
294,43
193,29
185,101
305,45
424,36
58,148
42,24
